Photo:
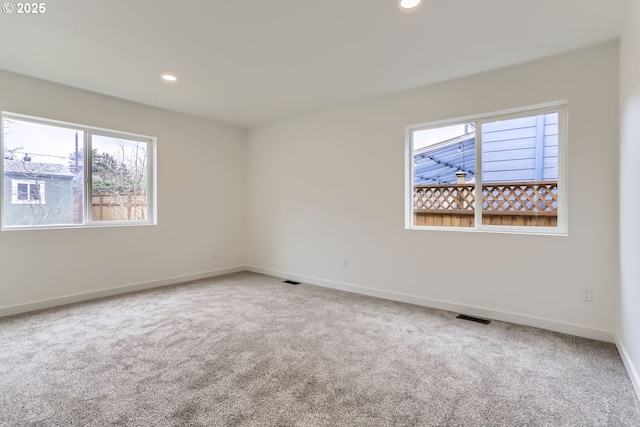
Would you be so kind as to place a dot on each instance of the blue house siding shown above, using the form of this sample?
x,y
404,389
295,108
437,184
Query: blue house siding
x,y
550,168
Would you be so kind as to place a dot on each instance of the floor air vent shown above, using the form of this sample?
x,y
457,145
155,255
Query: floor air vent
x,y
473,319
291,282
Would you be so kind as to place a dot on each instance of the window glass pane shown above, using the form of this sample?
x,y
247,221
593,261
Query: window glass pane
x,y
119,179
520,171
42,185
444,167
34,191
23,191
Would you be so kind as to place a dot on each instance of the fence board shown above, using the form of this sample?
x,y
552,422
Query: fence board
x,y
119,207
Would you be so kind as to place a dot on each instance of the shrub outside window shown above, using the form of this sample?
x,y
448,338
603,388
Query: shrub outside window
x,y
503,171
58,174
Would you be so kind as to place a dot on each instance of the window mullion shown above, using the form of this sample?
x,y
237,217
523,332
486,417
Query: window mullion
x,y
88,178
479,196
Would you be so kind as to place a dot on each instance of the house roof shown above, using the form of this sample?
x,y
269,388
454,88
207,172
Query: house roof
x,y
36,169
438,163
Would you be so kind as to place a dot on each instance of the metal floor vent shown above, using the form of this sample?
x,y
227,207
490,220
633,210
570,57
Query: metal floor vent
x,y
291,282
473,319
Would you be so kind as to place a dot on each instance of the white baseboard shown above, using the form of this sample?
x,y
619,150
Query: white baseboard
x,y
567,328
505,316
69,299
628,363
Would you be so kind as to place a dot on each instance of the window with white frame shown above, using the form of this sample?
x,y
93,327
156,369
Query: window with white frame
x,y
503,171
30,191
58,174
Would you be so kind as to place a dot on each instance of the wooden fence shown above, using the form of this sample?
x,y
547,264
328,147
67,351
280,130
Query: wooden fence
x,y
119,207
506,203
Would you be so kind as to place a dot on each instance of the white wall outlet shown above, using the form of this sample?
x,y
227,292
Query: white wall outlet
x,y
343,262
215,254
587,294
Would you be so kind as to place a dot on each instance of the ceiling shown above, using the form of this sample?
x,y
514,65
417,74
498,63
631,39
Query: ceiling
x,y
250,62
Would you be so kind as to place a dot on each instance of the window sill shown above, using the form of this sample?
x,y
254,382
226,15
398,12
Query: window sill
x,y
539,231
80,226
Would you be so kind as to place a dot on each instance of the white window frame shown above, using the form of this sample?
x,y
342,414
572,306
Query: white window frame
x,y
28,200
86,132
559,107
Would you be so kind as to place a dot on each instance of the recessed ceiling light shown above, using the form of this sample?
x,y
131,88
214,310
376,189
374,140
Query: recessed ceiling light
x,y
169,78
409,4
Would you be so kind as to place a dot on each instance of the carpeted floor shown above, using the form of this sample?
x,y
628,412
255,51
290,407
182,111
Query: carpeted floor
x,y
249,350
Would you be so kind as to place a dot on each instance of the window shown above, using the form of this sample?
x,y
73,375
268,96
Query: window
x,y
27,192
63,175
498,172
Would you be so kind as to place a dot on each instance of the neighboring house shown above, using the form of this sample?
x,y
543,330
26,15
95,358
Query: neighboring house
x,y
37,191
517,150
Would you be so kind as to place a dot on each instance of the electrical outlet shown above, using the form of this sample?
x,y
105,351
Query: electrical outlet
x,y
343,262
587,294
215,254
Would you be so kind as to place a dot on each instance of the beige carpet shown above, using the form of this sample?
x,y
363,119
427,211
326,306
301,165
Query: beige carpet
x,y
249,350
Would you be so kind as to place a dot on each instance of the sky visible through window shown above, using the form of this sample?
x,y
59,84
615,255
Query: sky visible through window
x,y
427,137
46,143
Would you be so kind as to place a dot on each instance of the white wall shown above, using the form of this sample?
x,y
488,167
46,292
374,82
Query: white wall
x,y
200,203
629,328
329,185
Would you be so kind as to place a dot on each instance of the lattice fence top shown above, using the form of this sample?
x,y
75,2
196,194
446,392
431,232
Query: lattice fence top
x,y
523,197
444,197
504,197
